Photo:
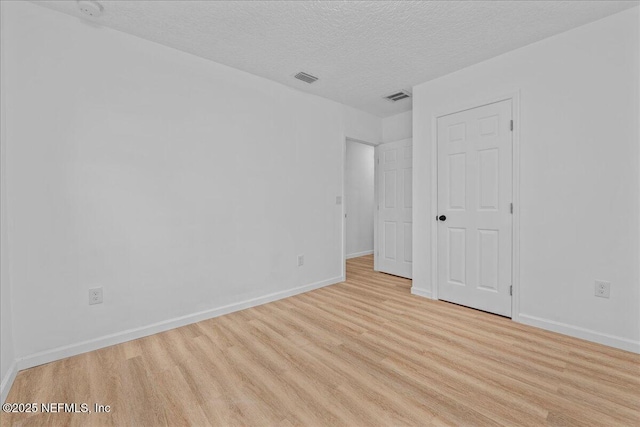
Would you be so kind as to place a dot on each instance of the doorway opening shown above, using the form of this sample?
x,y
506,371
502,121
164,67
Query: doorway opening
x,y
359,197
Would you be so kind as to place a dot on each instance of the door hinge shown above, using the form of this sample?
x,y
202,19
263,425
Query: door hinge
x,y
378,160
511,208
511,125
511,290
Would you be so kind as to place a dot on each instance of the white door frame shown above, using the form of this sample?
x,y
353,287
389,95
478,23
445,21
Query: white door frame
x,y
376,166
344,204
515,256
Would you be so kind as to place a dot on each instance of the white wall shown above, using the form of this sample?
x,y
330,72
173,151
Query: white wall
x,y
362,126
179,185
579,188
397,127
7,354
359,196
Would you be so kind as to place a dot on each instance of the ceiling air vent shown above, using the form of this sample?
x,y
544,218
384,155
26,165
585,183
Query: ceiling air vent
x,y
398,96
307,78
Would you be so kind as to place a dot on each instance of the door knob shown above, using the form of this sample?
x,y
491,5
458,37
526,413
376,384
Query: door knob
x,y
442,218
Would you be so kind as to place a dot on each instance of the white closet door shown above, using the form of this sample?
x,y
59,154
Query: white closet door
x,y
394,227
474,208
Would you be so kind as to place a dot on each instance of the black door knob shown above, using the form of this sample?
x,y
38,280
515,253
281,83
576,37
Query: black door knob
x,y
442,218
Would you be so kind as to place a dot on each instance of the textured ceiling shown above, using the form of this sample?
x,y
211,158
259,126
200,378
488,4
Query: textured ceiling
x,y
361,51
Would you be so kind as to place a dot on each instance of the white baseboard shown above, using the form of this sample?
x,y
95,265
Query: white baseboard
x,y
421,292
583,333
165,325
7,381
358,254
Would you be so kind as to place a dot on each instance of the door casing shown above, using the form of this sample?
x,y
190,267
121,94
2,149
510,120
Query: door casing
x,y
343,210
515,255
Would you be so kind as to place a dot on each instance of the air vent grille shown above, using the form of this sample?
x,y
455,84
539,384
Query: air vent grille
x,y
307,78
398,96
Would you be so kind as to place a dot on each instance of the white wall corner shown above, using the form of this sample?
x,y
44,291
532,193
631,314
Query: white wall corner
x,y
399,126
7,381
8,364
362,126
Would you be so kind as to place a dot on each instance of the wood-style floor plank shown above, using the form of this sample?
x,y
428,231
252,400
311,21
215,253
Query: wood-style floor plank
x,y
364,352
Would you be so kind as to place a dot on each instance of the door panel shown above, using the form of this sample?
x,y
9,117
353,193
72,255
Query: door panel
x,y
457,181
457,255
390,187
474,194
390,240
395,198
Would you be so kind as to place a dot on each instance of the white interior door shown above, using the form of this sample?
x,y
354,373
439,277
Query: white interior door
x,y
474,207
394,227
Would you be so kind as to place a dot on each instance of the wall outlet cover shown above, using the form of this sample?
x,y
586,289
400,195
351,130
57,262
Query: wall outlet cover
x,y
603,289
95,296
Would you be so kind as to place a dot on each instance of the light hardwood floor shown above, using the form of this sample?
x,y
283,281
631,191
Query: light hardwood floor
x,y
360,353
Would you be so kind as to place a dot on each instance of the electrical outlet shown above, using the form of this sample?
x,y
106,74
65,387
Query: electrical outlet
x,y
603,288
95,296
300,260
